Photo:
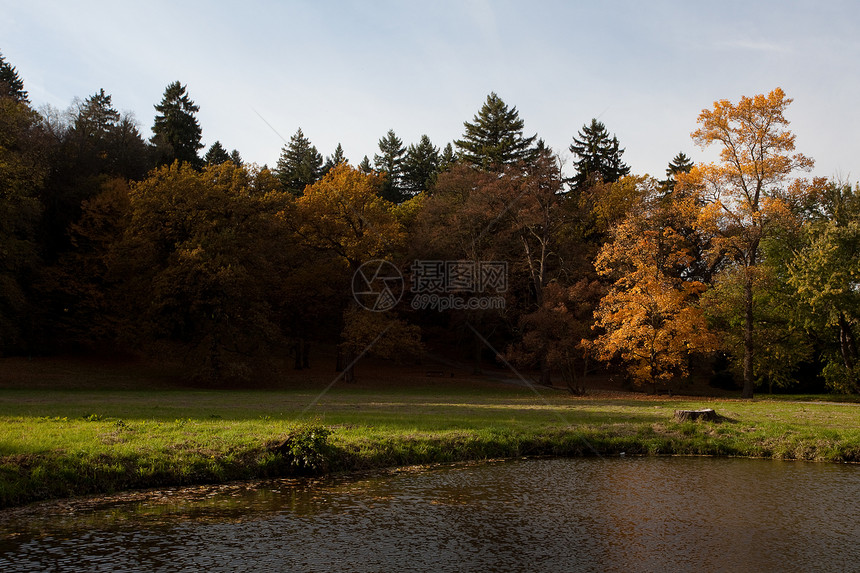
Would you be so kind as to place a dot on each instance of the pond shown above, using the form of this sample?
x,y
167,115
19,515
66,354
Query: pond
x,y
619,514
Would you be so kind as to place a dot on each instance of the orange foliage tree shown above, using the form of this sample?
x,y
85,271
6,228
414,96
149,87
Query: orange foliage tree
x,y
649,316
749,193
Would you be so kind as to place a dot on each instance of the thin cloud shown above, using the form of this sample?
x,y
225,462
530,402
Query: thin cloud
x,y
755,46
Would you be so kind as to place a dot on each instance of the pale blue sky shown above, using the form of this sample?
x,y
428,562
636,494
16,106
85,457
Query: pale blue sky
x,y
348,71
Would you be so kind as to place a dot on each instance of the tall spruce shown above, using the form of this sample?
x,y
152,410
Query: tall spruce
x,y
216,154
101,141
11,84
299,165
96,116
365,166
679,164
390,162
420,166
495,139
132,156
335,159
96,143
177,135
91,135
447,158
544,152
236,158
599,156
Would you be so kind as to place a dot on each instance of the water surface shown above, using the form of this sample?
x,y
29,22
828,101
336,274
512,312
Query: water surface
x,y
628,514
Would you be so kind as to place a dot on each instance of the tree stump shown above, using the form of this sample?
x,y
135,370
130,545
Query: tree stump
x,y
707,415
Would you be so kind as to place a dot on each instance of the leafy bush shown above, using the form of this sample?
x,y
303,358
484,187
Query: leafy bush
x,y
307,448
841,379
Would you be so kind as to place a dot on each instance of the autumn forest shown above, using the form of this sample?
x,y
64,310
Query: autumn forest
x,y
743,272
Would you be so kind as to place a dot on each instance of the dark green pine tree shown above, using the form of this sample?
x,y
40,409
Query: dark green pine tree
x,y
11,84
98,142
300,164
543,150
25,148
495,139
365,166
447,158
599,156
544,156
390,162
679,164
216,155
131,156
420,166
91,137
96,116
236,158
101,141
336,159
176,132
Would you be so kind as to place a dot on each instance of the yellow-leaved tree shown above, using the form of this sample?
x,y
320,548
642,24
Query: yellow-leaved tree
x,y
343,212
750,193
344,215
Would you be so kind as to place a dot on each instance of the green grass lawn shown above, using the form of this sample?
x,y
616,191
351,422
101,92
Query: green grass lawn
x,y
56,442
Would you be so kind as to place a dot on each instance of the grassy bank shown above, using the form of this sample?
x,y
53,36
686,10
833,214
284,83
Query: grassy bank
x,y
57,443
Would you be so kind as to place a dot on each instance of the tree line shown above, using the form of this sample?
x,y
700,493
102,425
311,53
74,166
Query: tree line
x,y
109,241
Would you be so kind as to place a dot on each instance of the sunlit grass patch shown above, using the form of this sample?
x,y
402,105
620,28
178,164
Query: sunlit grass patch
x,y
76,442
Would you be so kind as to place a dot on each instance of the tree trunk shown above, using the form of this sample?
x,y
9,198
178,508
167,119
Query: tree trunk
x,y
215,356
297,354
349,374
545,372
345,359
748,337
306,354
847,345
568,373
479,348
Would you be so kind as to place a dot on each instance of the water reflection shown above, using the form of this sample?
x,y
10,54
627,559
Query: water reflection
x,y
648,514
